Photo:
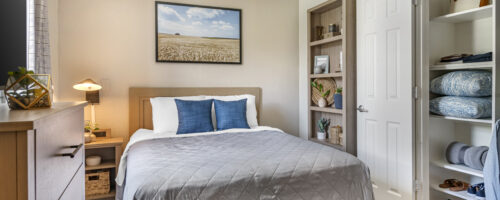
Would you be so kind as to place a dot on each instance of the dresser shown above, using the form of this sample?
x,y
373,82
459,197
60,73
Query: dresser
x,y
42,152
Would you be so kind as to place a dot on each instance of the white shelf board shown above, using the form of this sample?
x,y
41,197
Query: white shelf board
x,y
481,121
459,168
478,65
466,15
461,194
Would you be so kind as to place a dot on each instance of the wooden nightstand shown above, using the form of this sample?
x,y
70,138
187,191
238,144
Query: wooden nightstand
x,y
110,150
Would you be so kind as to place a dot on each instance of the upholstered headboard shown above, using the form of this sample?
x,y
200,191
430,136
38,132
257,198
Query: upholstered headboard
x,y
140,107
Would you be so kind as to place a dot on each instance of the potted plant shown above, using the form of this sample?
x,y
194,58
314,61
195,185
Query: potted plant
x,y
337,98
89,128
322,101
27,90
323,125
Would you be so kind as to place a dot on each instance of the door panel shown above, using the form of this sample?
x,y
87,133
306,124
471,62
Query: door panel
x,y
385,79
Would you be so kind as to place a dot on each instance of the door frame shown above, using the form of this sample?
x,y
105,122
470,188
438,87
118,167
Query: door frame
x,y
421,107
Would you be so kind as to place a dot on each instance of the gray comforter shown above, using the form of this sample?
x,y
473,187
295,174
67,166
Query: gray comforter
x,y
256,165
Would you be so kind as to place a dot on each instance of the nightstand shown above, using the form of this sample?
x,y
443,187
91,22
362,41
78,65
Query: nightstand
x,y
110,150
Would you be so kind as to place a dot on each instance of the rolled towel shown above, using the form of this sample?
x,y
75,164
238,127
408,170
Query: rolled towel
x,y
455,152
473,157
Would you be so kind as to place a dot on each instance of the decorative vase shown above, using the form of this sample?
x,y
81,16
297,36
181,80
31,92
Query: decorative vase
x,y
87,136
93,138
337,98
321,136
322,102
29,91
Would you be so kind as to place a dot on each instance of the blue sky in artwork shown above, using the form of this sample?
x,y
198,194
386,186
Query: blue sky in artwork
x,y
198,21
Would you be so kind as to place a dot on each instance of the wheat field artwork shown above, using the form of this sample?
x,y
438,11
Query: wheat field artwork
x,y
188,33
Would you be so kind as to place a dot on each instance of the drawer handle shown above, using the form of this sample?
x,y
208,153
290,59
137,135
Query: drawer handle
x,y
77,149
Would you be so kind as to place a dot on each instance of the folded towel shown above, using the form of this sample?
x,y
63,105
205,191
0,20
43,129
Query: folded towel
x,y
455,152
485,57
473,157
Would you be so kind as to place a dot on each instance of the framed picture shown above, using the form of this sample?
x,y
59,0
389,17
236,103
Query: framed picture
x,y
197,34
321,64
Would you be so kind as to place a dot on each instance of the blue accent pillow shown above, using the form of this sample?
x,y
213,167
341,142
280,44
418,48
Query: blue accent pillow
x,y
463,107
231,114
463,84
194,116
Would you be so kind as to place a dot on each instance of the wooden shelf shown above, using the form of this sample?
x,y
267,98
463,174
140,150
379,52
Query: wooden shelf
x,y
467,15
479,65
328,143
104,165
326,109
481,121
104,143
326,40
461,194
111,194
459,168
330,75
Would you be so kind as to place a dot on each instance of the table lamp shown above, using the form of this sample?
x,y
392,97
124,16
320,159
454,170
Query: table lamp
x,y
91,89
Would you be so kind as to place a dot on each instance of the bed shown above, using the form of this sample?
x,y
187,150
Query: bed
x,y
257,163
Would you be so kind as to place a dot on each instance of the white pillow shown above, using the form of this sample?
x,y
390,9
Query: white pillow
x,y
165,116
251,108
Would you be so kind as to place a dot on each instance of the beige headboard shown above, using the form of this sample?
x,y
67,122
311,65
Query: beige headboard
x,y
140,107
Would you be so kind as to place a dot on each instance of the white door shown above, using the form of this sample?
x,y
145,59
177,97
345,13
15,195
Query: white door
x,y
384,81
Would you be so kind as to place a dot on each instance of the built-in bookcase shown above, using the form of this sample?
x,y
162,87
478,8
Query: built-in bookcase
x,y
470,31
342,68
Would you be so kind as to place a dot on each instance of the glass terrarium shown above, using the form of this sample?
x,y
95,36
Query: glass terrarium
x,y
29,91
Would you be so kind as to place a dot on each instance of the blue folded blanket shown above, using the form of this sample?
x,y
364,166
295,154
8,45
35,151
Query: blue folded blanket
x,y
463,84
463,107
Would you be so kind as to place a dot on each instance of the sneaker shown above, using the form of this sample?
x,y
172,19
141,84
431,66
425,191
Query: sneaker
x,y
480,194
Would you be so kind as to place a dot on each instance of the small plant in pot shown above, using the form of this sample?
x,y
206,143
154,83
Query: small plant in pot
x,y
337,98
322,101
323,125
89,127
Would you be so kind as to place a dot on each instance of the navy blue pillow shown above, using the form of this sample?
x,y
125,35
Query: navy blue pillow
x,y
231,114
194,116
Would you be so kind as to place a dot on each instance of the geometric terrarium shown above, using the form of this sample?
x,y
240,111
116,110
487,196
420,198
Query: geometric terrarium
x,y
26,90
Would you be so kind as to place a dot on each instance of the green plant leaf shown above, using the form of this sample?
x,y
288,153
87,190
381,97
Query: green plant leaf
x,y
326,93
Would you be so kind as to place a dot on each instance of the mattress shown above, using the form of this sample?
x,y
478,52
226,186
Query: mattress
x,y
261,163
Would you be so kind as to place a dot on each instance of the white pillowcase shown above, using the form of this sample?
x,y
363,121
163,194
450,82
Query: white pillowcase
x,y
251,108
165,116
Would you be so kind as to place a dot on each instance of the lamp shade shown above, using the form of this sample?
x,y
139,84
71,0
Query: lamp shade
x,y
87,85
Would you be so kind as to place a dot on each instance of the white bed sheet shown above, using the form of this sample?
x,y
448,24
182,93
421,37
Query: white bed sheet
x,y
146,134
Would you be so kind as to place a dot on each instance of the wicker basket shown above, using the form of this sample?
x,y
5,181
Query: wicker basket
x,y
328,84
97,183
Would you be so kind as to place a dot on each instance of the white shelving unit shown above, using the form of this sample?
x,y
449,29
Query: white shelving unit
x,y
460,195
471,31
459,168
479,65
468,15
482,121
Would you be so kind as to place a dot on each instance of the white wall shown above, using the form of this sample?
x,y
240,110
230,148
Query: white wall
x,y
304,5
113,42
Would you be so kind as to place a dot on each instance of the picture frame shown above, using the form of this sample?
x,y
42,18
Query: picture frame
x,y
321,64
187,33
102,133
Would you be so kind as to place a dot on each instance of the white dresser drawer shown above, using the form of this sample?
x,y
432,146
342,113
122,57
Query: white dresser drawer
x,y
59,151
76,189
